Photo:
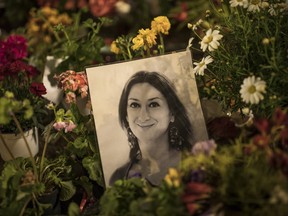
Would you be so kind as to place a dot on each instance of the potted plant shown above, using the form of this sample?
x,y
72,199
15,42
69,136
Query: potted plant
x,y
74,42
75,130
25,181
20,78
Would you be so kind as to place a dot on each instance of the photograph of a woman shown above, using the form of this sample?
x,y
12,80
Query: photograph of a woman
x,y
147,112
156,124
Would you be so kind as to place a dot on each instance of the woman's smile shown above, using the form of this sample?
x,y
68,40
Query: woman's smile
x,y
145,125
148,113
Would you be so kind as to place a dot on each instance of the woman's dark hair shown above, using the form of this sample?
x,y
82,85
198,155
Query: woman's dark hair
x,y
162,84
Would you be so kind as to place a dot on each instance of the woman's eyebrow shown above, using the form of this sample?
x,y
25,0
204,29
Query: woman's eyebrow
x,y
135,99
154,98
150,99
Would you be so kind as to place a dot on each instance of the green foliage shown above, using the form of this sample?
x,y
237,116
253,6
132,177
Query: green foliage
x,y
253,43
81,45
92,165
118,199
73,209
137,197
245,175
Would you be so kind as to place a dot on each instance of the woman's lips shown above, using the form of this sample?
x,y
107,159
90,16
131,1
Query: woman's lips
x,y
145,126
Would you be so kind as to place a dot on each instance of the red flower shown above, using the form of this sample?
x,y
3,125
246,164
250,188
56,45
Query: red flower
x,y
14,48
262,125
14,68
32,71
101,7
37,89
183,14
280,117
195,191
279,160
261,140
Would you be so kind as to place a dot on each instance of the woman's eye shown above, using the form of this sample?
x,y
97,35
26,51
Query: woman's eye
x,y
154,104
134,105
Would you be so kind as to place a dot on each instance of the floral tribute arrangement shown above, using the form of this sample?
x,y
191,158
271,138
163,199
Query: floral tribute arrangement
x,y
18,78
245,177
240,54
240,59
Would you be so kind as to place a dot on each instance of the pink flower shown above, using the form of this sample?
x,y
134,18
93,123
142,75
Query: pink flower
x,y
84,91
70,126
70,97
74,84
59,125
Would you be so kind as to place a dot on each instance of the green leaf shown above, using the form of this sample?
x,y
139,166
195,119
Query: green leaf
x,y
73,209
67,190
92,165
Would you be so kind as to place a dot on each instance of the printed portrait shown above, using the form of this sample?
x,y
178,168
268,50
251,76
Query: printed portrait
x,y
147,112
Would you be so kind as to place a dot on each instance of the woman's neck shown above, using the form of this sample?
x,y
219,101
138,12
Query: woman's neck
x,y
155,149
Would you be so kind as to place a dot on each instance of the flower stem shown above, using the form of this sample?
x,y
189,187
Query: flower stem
x,y
27,145
162,48
43,153
6,146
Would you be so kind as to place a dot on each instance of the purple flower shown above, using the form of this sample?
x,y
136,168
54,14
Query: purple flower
x,y
204,147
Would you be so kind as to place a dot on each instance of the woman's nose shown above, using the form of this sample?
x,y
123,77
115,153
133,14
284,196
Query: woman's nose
x,y
144,115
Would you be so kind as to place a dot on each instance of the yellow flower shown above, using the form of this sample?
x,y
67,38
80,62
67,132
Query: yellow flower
x,y
114,48
34,28
173,178
161,24
53,20
64,19
47,11
146,39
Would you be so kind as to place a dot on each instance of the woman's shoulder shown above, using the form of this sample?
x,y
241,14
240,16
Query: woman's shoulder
x,y
120,173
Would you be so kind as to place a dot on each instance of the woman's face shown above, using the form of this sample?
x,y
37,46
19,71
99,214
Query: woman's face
x,y
148,113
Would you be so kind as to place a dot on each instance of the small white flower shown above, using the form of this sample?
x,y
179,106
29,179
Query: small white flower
x,y
210,40
252,90
241,3
249,118
272,11
190,42
122,7
254,5
202,65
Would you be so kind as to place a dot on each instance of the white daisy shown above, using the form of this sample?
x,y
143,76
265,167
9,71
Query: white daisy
x,y
202,65
254,5
210,40
252,90
272,11
241,3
